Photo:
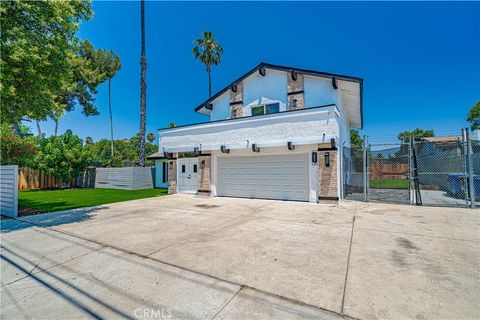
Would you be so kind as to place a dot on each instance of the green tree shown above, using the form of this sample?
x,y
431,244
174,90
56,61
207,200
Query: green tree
x,y
143,85
151,137
416,134
474,116
64,156
88,140
209,52
36,48
172,125
90,68
16,149
356,141
109,63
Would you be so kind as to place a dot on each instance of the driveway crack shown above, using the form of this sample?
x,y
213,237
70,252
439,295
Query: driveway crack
x,y
227,303
348,260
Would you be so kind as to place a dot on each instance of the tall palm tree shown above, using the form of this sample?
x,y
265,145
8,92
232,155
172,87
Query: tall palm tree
x,y
112,65
143,87
208,52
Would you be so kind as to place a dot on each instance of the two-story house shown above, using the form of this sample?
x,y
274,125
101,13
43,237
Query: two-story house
x,y
275,133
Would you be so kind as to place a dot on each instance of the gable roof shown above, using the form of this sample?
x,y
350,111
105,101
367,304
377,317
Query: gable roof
x,y
203,107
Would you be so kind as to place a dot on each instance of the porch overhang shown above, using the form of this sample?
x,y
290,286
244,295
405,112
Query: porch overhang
x,y
306,126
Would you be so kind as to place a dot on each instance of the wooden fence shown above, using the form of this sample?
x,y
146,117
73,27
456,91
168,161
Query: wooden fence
x,y
29,178
380,171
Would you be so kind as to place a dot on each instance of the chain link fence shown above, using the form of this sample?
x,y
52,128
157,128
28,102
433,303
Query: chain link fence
x,y
433,171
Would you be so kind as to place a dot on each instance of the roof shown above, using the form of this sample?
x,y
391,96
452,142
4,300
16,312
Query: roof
x,y
203,106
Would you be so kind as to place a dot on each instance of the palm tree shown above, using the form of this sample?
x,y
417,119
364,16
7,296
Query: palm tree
x,y
111,64
151,137
143,87
208,52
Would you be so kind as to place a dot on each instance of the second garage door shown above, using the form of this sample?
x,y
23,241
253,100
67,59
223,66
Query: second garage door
x,y
283,177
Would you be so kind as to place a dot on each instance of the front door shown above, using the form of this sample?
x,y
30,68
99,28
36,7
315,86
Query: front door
x,y
187,174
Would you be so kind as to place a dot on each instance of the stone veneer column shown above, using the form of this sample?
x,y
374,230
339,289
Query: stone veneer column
x,y
327,176
204,174
172,176
295,92
236,101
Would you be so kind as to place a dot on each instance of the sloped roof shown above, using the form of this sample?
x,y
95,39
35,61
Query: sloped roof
x,y
350,87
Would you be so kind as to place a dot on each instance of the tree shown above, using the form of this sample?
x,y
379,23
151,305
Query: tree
x,y
88,140
64,156
15,148
143,86
208,52
172,125
474,116
109,63
356,141
416,134
151,137
36,46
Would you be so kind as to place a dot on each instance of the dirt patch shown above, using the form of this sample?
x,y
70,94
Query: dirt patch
x,y
26,211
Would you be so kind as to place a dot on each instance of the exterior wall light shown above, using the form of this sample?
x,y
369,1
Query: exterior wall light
x,y
224,149
234,88
262,71
334,83
314,158
290,145
294,75
255,148
327,159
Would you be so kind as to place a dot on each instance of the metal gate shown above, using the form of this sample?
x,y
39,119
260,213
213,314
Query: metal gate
x,y
434,171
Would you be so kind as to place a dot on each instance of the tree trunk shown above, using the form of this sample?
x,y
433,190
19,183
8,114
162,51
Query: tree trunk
x,y
143,87
38,128
209,82
56,126
111,118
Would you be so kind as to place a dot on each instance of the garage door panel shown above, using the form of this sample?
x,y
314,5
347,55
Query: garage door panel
x,y
264,176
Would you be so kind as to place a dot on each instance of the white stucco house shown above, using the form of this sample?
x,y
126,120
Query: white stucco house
x,y
274,133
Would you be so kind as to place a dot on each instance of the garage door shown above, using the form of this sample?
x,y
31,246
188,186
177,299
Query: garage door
x,y
283,177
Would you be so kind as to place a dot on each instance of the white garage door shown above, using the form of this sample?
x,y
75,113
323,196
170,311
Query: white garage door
x,y
283,177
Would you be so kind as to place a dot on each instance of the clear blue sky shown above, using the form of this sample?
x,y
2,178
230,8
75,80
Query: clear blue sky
x,y
420,61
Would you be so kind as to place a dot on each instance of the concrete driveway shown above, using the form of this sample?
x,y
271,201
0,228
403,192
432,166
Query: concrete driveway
x,y
203,258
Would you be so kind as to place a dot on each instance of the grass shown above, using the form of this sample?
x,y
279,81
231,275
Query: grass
x,y
56,200
389,184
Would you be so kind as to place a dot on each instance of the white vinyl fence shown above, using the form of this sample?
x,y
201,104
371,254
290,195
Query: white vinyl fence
x,y
9,190
128,178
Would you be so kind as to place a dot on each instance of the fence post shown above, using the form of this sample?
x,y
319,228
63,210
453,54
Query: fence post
x,y
471,187
411,194
365,169
466,194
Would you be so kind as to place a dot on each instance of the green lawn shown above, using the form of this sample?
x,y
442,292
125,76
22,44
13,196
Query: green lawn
x,y
56,200
389,184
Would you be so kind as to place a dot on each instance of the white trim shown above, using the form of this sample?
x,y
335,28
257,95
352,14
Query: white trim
x,y
279,115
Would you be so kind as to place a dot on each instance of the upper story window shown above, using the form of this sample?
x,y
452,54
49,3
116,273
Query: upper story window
x,y
265,109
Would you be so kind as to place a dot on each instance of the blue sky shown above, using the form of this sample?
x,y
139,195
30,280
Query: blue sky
x,y
420,61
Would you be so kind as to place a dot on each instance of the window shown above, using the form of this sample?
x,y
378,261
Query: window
x,y
183,168
195,168
265,109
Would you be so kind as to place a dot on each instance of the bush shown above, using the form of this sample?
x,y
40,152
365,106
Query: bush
x,y
15,149
64,156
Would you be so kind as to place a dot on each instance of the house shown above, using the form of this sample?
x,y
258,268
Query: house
x,y
274,133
